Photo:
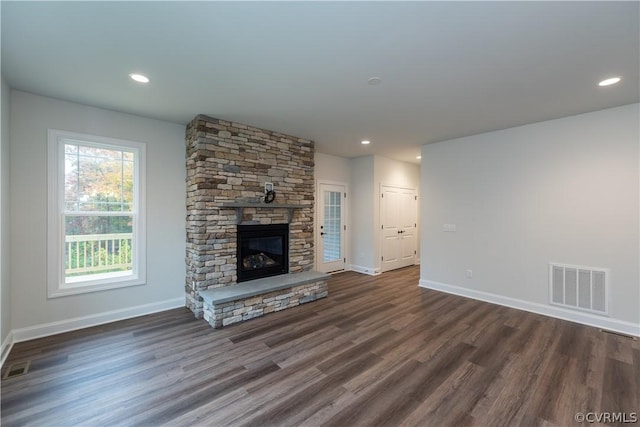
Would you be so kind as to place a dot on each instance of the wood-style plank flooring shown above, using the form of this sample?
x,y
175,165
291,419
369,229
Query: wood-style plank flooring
x,y
379,351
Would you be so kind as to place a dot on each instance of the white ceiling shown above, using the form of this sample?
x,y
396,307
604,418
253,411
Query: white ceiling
x,y
448,69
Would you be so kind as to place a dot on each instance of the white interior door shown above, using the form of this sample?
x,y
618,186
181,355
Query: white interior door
x,y
331,227
390,228
408,224
398,221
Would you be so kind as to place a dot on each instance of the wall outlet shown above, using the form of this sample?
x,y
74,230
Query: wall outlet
x,y
469,274
449,227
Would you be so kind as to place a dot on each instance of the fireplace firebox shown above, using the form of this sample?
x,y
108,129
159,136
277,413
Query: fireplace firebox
x,y
263,251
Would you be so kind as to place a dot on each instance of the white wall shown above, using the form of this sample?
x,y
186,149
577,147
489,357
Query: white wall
x,y
564,190
361,202
33,314
5,263
331,168
367,174
398,174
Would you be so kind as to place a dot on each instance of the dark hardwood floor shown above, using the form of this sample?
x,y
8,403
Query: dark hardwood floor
x,y
379,351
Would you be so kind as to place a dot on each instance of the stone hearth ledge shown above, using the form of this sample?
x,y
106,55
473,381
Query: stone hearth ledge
x,y
255,298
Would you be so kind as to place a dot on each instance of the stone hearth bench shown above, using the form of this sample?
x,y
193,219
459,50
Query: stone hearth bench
x,y
244,301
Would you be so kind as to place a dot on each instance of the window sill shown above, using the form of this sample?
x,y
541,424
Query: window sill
x,y
95,285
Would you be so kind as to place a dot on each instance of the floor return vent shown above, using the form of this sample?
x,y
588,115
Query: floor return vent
x,y
17,369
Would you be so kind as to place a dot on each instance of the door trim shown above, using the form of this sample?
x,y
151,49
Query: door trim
x,y
380,219
316,222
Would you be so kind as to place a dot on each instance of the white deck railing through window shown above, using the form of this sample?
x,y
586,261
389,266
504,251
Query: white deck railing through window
x,y
97,253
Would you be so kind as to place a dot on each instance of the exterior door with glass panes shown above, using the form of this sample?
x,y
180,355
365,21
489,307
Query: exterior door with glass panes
x,y
331,227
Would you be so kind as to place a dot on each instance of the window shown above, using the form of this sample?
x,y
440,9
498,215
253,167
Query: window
x,y
96,228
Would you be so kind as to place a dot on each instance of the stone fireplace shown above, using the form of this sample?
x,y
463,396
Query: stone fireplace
x,y
227,167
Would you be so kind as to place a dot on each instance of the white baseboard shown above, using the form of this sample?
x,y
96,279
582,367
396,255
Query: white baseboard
x,y
47,329
7,344
364,270
588,319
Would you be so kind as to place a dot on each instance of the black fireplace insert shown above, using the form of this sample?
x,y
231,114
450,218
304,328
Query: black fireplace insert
x,y
263,251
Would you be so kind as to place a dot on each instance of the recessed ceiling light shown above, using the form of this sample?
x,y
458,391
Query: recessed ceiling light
x,y
608,82
418,157
140,78
365,142
374,81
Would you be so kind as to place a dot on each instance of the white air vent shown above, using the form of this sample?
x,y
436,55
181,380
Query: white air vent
x,y
579,288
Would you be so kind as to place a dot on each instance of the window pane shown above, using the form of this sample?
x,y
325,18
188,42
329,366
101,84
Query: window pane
x,y
100,153
98,179
70,149
331,239
71,179
97,245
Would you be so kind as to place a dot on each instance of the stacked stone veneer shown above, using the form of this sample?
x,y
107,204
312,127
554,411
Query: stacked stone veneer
x,y
219,315
230,161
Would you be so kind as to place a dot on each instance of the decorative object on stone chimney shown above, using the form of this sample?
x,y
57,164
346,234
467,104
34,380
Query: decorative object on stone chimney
x,y
269,193
269,196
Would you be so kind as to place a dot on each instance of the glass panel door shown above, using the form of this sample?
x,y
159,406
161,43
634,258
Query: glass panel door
x,y
332,226
331,229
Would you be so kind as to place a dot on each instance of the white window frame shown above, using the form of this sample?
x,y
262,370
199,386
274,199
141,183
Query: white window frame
x,y
56,284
